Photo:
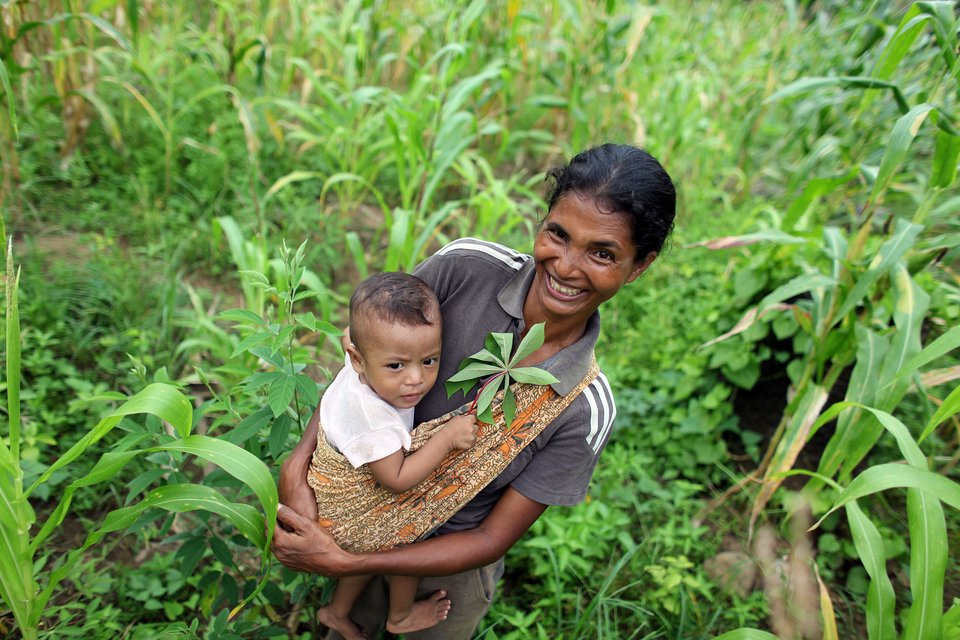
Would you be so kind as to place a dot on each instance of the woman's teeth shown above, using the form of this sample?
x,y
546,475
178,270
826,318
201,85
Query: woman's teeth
x,y
559,288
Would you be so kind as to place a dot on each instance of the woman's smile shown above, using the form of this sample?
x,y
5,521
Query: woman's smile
x,y
583,255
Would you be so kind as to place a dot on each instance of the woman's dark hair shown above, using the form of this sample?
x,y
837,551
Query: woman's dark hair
x,y
391,297
622,179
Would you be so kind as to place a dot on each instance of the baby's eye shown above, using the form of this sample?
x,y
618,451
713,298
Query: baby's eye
x,y
396,366
429,362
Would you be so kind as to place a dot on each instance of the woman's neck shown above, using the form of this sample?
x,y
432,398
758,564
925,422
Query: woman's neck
x,y
558,334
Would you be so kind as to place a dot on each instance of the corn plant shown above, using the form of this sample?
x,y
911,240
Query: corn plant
x,y
28,576
864,309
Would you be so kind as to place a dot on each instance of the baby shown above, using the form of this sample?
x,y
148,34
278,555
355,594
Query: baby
x,y
367,415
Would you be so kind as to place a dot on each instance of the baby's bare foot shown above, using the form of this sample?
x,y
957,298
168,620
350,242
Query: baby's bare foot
x,y
341,624
422,615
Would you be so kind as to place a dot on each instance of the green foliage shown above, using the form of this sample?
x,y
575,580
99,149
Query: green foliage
x,y
183,142
498,368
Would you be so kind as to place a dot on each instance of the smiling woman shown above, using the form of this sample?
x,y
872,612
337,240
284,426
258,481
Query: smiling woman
x,y
610,212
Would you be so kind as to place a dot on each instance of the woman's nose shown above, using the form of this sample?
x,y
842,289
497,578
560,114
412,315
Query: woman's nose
x,y
566,263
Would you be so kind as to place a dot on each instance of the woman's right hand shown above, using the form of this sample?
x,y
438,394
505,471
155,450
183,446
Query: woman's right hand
x,y
303,545
292,486
462,431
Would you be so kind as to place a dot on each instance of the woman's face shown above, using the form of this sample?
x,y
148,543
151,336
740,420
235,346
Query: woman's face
x,y
582,256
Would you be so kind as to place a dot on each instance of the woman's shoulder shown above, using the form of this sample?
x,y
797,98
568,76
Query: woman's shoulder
x,y
591,414
484,250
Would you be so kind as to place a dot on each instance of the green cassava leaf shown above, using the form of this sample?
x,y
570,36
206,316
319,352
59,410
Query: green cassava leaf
x,y
509,406
473,371
530,343
533,375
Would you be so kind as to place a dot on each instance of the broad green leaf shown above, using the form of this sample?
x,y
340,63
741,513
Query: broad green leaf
x,y
950,406
795,287
806,85
474,370
812,192
881,601
928,563
530,343
249,426
239,463
189,497
160,400
508,406
278,434
485,400
861,390
891,476
947,150
939,347
281,393
951,622
910,308
242,316
903,38
504,342
904,131
307,388
533,375
887,257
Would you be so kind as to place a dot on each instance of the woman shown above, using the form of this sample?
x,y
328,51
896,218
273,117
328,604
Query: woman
x,y
609,214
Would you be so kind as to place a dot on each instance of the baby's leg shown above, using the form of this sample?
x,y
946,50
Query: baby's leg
x,y
407,616
336,615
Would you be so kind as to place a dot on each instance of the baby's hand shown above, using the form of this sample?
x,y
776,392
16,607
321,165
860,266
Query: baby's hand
x,y
462,431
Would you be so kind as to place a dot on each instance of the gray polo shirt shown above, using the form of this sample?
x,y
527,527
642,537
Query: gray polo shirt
x,y
481,286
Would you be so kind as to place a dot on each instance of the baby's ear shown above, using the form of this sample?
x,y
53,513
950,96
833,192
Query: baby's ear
x,y
356,360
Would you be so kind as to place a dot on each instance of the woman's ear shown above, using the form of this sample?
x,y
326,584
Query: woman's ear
x,y
642,265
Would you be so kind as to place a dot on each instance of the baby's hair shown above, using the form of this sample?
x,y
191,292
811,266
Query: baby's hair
x,y
391,297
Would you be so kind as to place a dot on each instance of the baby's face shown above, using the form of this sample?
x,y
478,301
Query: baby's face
x,y
399,362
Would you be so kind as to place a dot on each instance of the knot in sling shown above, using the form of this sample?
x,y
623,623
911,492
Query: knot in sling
x,y
363,516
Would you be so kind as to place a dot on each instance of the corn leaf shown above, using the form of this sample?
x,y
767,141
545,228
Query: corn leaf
x,y
887,257
239,463
928,562
950,406
904,131
881,599
939,347
11,110
160,400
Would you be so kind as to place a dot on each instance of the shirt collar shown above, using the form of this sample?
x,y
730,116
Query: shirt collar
x,y
571,363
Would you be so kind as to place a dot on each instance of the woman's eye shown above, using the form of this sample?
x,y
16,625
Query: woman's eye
x,y
606,256
396,366
556,233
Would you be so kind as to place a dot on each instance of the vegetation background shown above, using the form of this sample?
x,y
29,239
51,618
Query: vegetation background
x,y
192,189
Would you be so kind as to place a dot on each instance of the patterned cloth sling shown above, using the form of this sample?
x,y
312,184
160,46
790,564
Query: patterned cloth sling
x,y
363,516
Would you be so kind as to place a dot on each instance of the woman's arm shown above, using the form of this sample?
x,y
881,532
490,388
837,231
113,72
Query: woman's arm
x,y
301,544
292,486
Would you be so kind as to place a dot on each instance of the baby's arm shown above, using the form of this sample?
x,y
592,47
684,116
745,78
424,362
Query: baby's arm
x,y
398,473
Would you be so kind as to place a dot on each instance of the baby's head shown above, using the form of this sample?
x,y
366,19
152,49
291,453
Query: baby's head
x,y
395,328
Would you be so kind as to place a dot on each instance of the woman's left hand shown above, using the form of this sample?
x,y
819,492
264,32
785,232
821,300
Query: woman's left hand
x,y
303,545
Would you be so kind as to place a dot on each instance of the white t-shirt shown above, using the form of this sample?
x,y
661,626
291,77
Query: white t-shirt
x,y
359,423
